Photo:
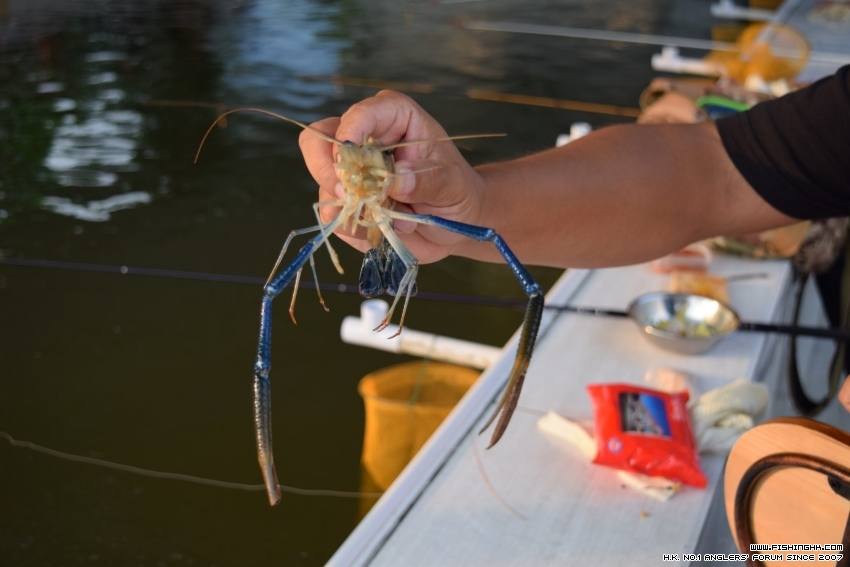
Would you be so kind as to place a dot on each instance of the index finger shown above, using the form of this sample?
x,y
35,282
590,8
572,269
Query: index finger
x,y
388,117
319,153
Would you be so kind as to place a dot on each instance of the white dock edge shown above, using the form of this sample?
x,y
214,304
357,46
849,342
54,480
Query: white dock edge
x,y
379,523
439,512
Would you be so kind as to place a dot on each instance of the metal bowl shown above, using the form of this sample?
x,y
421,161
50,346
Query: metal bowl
x,y
671,320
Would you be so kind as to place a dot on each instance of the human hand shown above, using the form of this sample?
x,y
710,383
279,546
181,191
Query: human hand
x,y
450,188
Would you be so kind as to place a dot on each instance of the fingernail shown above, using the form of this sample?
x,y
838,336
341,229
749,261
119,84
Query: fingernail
x,y
404,183
404,226
339,191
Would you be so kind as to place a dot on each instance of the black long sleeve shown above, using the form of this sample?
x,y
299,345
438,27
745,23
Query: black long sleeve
x,y
795,150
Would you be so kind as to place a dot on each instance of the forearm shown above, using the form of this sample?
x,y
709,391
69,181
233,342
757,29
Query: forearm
x,y
622,195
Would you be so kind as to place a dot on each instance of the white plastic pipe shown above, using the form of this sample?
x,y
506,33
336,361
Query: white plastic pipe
x,y
728,9
358,331
670,61
577,130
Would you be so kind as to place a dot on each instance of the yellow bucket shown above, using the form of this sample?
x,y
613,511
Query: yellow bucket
x,y
405,404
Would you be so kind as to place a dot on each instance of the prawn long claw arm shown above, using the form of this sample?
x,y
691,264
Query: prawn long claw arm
x,y
531,323
262,366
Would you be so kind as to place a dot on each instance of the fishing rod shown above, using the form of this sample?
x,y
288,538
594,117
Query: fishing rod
x,y
484,301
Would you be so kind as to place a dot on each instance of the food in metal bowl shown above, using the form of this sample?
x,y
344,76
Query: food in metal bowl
x,y
685,327
681,322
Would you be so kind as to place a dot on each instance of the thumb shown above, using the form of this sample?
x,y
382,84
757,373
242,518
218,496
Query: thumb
x,y
424,181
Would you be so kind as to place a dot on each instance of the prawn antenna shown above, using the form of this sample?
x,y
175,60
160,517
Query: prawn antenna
x,y
321,135
446,139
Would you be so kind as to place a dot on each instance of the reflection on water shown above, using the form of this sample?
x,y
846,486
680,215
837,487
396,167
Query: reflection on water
x,y
102,106
105,138
95,211
258,55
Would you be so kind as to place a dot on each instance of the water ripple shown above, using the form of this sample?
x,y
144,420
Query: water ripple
x,y
96,211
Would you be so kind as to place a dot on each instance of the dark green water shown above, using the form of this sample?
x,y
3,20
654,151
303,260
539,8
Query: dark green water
x,y
156,373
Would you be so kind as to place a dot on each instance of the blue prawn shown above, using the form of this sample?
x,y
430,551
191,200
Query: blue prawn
x,y
366,173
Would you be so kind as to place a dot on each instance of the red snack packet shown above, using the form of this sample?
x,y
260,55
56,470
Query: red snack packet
x,y
645,431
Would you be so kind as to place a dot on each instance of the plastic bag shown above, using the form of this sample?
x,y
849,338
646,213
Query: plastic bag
x,y
645,431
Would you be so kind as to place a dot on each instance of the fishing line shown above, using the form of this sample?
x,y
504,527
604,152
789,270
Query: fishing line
x,y
420,379
479,464
249,280
183,477
478,300
748,326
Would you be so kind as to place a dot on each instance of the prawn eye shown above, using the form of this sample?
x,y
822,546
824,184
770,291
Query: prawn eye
x,y
349,144
388,153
